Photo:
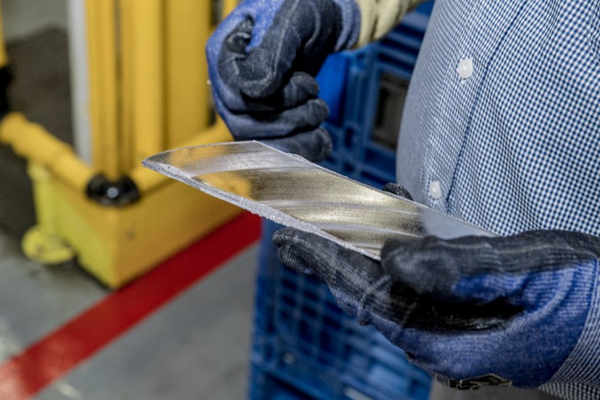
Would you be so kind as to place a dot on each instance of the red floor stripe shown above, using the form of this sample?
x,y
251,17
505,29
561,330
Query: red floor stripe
x,y
56,354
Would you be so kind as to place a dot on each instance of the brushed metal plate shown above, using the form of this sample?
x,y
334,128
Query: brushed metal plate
x,y
295,192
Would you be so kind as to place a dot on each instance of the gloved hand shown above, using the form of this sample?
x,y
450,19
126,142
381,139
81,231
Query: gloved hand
x,y
262,61
473,311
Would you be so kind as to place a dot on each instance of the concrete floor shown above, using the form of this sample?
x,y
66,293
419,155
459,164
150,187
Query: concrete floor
x,y
195,347
35,299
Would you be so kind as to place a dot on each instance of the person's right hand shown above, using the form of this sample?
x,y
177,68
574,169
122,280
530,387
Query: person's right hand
x,y
262,62
474,311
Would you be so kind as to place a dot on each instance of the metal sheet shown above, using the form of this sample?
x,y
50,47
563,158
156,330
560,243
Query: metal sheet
x,y
295,192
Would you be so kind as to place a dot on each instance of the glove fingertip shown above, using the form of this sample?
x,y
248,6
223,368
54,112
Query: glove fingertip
x,y
289,252
257,89
419,269
315,145
397,190
261,75
292,261
284,235
326,145
395,257
239,38
302,86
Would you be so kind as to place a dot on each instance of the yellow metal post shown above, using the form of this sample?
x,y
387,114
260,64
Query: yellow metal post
x,y
142,56
148,181
188,104
101,31
148,79
126,72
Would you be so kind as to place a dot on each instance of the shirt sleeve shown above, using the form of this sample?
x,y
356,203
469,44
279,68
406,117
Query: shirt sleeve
x,y
378,17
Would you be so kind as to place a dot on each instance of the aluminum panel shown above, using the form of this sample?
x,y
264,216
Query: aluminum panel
x,y
295,192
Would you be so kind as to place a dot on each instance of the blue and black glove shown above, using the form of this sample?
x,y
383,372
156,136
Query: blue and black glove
x,y
262,62
475,311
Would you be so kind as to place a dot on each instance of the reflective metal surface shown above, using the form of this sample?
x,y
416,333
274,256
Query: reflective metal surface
x,y
295,192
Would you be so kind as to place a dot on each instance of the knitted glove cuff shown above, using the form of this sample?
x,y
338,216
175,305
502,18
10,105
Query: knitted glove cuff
x,y
350,24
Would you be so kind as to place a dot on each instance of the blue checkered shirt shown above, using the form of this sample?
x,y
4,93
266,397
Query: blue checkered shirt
x,y
502,124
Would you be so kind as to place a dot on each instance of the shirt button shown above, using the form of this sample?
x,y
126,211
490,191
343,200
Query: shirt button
x,y
435,190
465,68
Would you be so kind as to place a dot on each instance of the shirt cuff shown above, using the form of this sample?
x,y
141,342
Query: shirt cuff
x,y
377,18
583,364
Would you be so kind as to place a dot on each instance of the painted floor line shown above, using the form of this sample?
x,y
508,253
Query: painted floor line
x,y
53,356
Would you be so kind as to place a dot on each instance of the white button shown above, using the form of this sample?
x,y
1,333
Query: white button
x,y
435,190
465,68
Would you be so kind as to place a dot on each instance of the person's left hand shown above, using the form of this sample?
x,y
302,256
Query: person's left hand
x,y
474,311
262,62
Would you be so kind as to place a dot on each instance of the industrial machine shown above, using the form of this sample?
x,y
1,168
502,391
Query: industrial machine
x,y
139,86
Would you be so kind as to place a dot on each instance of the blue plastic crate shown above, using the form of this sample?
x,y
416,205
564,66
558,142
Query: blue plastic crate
x,y
332,83
342,124
304,344
268,386
358,152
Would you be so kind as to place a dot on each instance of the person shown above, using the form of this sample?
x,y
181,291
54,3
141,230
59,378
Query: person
x,y
501,128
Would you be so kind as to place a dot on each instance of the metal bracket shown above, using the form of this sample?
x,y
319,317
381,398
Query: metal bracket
x,y
117,193
473,383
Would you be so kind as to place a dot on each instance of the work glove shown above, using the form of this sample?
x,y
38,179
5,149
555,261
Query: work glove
x,y
262,62
522,310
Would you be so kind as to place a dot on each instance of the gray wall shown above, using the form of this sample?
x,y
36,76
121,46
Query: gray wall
x,y
24,17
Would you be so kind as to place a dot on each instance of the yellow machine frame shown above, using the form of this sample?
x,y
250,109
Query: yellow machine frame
x,y
148,92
